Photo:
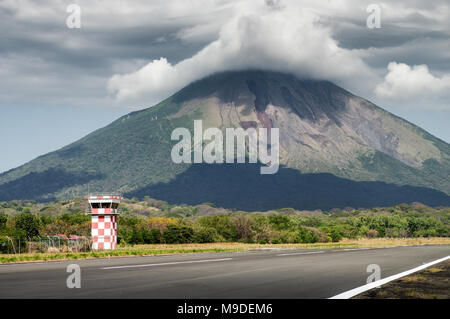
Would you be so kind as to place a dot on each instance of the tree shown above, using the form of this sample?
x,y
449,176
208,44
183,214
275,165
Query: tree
x,y
222,224
3,220
28,223
151,236
204,235
335,235
262,229
306,236
243,225
178,234
280,222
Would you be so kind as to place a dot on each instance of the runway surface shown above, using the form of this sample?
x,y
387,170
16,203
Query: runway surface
x,y
283,273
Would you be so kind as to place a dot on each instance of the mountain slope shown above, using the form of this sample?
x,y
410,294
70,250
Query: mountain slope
x,y
323,129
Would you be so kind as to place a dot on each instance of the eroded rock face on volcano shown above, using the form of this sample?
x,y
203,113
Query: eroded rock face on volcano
x,y
322,129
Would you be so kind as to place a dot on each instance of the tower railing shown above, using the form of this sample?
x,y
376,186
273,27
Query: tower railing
x,y
105,194
89,211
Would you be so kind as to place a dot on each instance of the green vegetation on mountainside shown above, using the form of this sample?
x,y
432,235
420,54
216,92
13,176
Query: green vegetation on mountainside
x,y
132,154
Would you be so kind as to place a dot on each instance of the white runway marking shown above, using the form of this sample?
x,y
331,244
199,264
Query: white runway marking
x,y
304,253
169,263
353,292
353,249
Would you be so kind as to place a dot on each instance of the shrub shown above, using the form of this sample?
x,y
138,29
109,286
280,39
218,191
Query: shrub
x,y
306,236
153,237
285,237
372,233
28,223
243,225
4,245
280,222
205,235
222,224
178,234
335,235
210,204
3,220
75,218
262,229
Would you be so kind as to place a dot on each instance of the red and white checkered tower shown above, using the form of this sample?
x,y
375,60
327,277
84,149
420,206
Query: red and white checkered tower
x,y
104,220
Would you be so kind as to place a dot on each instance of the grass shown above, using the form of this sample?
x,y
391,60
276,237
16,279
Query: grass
x,y
120,252
413,278
163,249
431,296
433,270
411,294
394,242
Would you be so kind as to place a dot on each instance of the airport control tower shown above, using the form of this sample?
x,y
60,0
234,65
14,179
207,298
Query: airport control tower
x,y
103,209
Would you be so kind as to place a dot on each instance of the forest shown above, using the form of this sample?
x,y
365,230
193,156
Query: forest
x,y
156,222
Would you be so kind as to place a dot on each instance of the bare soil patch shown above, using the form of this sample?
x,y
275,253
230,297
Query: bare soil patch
x,y
430,283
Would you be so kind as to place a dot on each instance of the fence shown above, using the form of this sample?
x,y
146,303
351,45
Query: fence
x,y
44,244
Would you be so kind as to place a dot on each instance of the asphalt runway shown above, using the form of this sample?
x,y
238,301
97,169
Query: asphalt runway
x,y
272,273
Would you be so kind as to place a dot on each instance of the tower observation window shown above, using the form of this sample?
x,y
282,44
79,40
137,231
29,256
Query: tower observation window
x,y
106,205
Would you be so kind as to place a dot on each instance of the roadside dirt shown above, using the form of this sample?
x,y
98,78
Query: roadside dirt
x,y
430,283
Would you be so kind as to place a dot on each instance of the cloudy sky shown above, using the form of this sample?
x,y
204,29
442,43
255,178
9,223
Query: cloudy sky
x,y
60,83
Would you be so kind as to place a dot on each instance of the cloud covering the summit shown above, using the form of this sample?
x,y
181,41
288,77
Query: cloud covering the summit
x,y
269,37
134,54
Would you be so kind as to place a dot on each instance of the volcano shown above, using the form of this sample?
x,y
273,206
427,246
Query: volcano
x,y
336,150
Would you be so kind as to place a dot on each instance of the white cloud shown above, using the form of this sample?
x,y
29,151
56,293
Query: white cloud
x,y
404,82
287,38
124,44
